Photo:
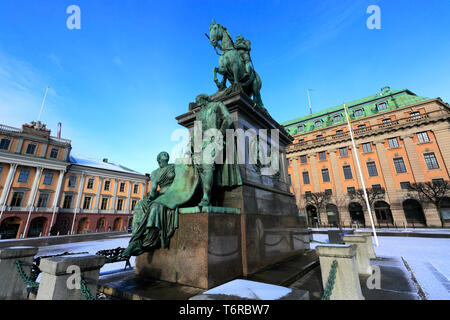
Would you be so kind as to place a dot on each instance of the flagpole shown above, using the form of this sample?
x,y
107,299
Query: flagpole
x,y
360,174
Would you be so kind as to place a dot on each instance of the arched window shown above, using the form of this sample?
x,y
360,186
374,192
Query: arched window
x,y
413,212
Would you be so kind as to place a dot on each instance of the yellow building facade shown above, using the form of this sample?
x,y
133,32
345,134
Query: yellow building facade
x,y
45,190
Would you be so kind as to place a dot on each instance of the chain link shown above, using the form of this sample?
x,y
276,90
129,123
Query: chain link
x,y
27,280
85,290
330,284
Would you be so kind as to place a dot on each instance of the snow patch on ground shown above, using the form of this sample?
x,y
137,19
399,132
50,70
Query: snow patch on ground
x,y
251,290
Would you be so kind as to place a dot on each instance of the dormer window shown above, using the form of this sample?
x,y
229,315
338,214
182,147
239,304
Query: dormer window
x,y
301,128
358,113
382,106
318,123
337,118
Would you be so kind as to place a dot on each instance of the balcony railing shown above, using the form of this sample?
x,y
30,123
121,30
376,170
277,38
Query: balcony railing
x,y
9,129
367,130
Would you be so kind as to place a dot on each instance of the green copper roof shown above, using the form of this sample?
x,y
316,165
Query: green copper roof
x,y
364,107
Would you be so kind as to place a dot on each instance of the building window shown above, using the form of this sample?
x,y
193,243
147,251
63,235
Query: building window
x,y
382,106
308,194
351,190
322,155
301,127
361,127
136,188
343,152
133,204
119,204
431,161
339,132
104,204
87,203
337,118
393,143
372,169
48,177
54,153
318,123
329,192
423,137
325,175
31,148
305,175
405,185
437,181
4,144
399,165
386,121
301,141
319,137
347,172
122,187
43,200
107,185
23,175
72,181
376,187
367,147
358,113
16,200
90,183
414,115
303,159
67,204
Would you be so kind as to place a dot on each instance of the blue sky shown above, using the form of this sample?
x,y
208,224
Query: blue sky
x,y
118,83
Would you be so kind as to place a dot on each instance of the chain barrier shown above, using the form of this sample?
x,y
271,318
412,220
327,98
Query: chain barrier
x,y
330,283
85,290
29,281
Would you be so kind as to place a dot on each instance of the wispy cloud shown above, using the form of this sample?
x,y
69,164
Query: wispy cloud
x,y
117,61
329,22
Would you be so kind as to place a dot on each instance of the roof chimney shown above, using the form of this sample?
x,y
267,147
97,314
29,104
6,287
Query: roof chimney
x,y
59,130
385,89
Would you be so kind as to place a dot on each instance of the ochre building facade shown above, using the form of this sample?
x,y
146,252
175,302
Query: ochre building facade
x,y
44,190
401,138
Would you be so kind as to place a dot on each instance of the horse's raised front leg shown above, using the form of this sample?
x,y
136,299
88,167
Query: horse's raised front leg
x,y
220,85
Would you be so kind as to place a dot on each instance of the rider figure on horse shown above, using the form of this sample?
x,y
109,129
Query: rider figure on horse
x,y
243,47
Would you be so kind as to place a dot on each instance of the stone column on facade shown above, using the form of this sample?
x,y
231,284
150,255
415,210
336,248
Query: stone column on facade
x,y
7,187
32,197
316,185
114,197
355,170
130,185
19,145
413,158
98,194
44,150
296,180
443,141
392,199
57,196
79,196
341,198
